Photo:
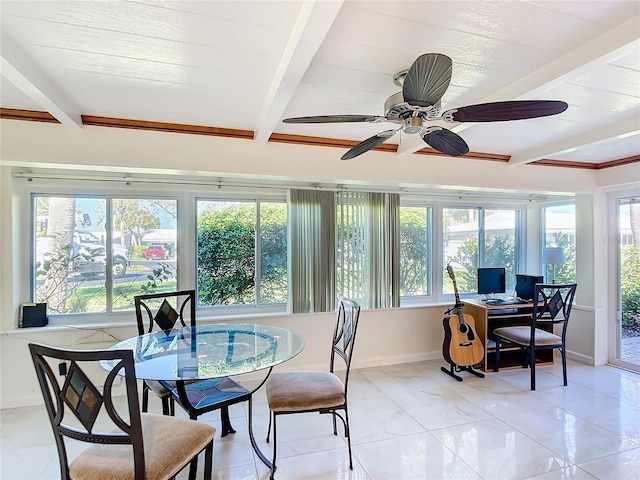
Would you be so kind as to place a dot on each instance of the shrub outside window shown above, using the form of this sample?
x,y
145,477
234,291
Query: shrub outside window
x,y
232,235
415,251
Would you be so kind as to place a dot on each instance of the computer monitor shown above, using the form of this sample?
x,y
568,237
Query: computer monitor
x,y
525,284
491,280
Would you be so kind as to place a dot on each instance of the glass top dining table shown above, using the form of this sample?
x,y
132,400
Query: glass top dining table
x,y
210,351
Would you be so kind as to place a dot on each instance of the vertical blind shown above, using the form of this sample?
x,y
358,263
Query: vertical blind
x,y
345,243
367,245
312,249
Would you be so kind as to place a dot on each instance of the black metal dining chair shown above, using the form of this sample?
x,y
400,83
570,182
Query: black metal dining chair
x,y
164,311
548,329
322,392
126,444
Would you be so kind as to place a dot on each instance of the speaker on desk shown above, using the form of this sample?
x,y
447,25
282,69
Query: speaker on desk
x,y
34,315
525,285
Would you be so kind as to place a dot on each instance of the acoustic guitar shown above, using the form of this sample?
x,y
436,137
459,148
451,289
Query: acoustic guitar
x,y
461,344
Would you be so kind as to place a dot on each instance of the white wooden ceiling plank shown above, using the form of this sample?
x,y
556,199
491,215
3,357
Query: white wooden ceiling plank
x,y
155,71
156,22
602,133
600,50
606,47
34,33
611,79
28,77
157,101
274,14
601,152
311,28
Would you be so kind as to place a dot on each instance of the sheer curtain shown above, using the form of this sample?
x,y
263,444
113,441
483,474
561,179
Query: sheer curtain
x,y
368,248
312,224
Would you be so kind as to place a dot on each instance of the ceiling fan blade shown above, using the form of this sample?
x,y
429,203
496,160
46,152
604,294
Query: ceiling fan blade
x,y
427,79
504,111
445,141
367,144
334,119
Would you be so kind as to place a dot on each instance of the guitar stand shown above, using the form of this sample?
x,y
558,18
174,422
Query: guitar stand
x,y
457,368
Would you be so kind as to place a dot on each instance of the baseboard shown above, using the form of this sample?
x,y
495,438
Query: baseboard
x,y
579,357
382,361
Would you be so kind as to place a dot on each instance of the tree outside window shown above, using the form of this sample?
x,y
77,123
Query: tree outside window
x,y
560,231
79,268
477,237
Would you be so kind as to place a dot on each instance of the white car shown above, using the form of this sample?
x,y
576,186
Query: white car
x,y
86,244
88,254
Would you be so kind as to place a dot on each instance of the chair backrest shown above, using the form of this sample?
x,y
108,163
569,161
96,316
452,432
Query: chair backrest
x,y
554,305
344,335
80,410
164,310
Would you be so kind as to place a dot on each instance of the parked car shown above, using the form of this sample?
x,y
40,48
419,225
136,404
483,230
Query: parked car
x,y
85,243
155,252
87,255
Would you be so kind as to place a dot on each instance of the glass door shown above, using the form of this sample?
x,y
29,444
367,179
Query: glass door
x,y
628,282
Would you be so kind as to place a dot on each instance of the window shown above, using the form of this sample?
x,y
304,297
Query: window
x,y
231,236
415,251
560,231
255,250
89,251
479,237
367,239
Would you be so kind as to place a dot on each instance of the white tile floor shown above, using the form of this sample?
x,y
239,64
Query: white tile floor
x,y
412,421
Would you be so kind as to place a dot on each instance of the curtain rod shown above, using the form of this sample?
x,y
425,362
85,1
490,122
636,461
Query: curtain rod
x,y
459,193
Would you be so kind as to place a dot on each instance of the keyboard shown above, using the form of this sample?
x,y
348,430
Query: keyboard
x,y
505,301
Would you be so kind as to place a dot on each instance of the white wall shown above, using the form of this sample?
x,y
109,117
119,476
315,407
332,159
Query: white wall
x,y
109,149
384,337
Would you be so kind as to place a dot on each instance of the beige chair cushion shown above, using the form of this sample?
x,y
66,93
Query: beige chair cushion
x,y
159,389
169,444
298,391
156,387
522,336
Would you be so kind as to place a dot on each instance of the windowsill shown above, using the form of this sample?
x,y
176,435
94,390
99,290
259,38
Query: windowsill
x,y
60,328
206,318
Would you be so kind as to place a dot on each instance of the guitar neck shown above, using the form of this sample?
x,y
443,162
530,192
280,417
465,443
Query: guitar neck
x,y
455,290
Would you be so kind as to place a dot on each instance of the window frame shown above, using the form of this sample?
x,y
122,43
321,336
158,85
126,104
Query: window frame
x,y
186,224
432,241
52,188
186,193
543,231
482,206
244,309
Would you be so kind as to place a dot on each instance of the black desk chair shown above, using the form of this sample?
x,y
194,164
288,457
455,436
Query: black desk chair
x,y
552,310
198,396
322,392
126,444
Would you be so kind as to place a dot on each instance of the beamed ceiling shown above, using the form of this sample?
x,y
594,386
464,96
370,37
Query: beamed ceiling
x,y
238,68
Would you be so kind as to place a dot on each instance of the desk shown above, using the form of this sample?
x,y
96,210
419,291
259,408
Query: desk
x,y
489,317
211,351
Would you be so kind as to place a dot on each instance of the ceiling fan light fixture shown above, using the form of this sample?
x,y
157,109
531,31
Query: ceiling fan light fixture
x,y
398,78
412,125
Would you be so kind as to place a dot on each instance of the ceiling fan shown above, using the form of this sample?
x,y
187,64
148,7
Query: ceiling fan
x,y
423,85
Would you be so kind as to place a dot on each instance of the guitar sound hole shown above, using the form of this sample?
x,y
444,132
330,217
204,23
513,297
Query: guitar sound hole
x,y
464,328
